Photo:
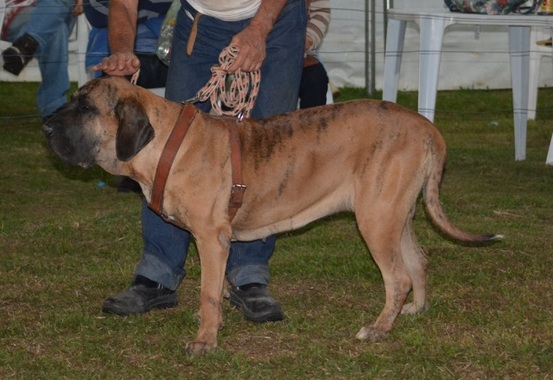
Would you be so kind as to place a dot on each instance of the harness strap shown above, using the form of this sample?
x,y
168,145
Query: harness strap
x,y
238,187
170,152
168,156
193,33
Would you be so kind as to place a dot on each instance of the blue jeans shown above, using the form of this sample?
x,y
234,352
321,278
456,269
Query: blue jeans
x,y
50,23
165,245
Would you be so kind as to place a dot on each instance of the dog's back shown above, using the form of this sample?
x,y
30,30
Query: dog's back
x,y
311,163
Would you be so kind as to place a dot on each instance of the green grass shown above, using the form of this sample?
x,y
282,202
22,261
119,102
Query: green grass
x,y
67,243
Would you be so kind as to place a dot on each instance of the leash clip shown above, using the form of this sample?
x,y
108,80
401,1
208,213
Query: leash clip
x,y
195,99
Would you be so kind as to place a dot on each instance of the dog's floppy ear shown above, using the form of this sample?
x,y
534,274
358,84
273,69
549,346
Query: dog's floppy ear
x,y
134,131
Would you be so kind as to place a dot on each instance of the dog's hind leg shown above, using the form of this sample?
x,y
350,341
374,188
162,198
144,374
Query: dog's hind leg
x,y
416,263
382,236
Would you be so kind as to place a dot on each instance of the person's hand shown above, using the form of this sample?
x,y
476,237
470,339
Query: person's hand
x,y
119,64
250,43
308,43
78,8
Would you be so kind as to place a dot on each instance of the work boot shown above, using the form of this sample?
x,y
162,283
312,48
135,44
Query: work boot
x,y
256,303
19,54
142,296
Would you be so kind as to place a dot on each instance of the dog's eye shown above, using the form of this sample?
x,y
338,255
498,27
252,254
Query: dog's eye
x,y
83,106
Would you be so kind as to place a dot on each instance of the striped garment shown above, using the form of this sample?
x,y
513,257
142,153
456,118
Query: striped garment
x,y
318,14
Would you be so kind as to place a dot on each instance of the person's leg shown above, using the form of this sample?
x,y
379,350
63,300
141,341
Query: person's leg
x,y
161,268
314,86
23,46
281,71
247,269
187,74
159,272
43,22
248,261
47,17
248,264
165,245
53,62
278,93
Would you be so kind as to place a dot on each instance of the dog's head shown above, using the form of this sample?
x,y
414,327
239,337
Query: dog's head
x,y
103,121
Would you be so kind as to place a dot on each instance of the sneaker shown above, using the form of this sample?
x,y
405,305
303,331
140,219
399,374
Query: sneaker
x,y
19,54
256,303
141,297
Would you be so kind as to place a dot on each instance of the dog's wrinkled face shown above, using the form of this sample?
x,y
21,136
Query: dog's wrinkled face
x,y
103,116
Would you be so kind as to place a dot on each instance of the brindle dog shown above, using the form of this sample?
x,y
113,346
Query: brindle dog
x,y
370,157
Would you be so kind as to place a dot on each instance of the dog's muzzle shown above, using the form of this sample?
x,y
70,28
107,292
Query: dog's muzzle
x,y
71,151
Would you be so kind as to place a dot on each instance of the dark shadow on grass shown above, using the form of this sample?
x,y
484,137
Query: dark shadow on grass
x,y
309,226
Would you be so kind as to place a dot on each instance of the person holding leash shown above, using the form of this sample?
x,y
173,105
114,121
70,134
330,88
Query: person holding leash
x,y
269,36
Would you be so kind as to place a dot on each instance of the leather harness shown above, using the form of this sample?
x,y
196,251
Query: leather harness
x,y
169,153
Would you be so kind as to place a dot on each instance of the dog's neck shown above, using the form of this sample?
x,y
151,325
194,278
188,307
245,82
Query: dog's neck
x,y
142,167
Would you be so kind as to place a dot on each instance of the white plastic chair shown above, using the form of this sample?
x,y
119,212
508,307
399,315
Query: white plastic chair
x,y
549,159
537,52
433,24
2,12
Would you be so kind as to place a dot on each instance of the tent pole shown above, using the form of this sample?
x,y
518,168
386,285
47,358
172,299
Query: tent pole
x,y
370,54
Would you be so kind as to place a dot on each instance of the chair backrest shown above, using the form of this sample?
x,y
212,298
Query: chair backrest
x,y
2,12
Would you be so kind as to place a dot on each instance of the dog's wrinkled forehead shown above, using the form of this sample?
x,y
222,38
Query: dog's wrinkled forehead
x,y
104,92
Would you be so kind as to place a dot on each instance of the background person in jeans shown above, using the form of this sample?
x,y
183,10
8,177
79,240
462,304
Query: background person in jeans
x,y
42,30
270,36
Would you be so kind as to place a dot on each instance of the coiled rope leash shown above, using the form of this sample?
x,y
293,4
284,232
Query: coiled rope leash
x,y
231,94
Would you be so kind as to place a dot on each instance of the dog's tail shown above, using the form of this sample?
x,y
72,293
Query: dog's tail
x,y
431,195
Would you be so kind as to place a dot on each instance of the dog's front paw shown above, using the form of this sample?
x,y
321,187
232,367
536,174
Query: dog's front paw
x,y
199,348
371,334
